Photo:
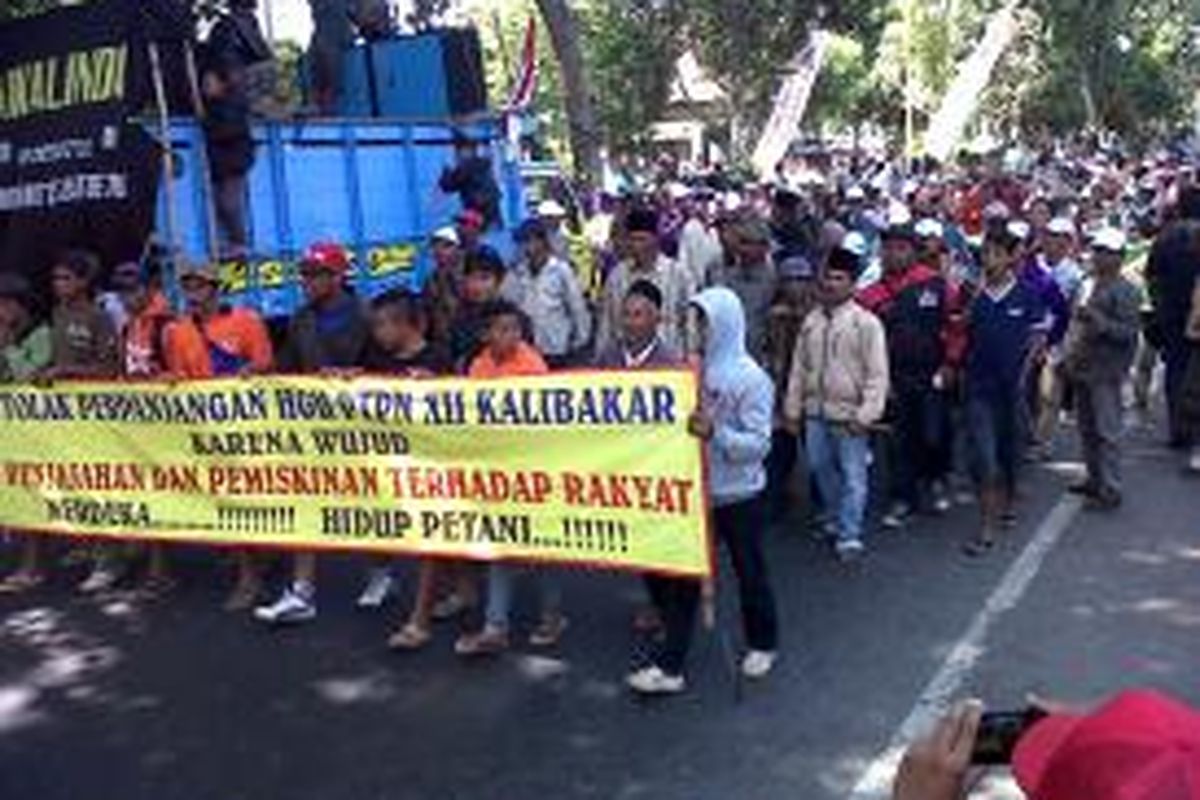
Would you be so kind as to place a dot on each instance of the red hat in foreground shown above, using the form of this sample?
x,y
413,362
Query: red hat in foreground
x,y
1141,745
327,255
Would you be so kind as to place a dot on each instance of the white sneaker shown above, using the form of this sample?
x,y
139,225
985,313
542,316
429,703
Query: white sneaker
x,y
378,589
941,499
897,516
850,551
1194,460
758,663
101,579
652,680
291,607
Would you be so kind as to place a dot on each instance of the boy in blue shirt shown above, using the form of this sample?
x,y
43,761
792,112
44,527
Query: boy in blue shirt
x,y
1007,326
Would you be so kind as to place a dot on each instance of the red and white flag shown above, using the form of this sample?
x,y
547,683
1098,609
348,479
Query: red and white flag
x,y
527,77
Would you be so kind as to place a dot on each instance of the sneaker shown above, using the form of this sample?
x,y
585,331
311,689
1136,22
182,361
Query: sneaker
x,y
101,579
823,529
758,663
1085,488
1193,464
897,516
850,551
291,607
652,680
378,589
941,499
1104,500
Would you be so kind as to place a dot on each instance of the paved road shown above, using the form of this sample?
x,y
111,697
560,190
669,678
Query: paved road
x,y
115,699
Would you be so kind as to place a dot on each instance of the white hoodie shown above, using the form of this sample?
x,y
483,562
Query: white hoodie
x,y
739,397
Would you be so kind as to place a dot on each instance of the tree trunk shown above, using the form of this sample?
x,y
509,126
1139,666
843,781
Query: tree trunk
x,y
581,115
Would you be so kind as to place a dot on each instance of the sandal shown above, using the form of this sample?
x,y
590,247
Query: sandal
x,y
449,607
488,642
977,548
21,582
410,637
549,631
243,597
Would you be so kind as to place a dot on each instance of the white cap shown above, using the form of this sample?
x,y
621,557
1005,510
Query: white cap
x,y
550,208
732,201
1111,239
447,234
1061,226
856,192
856,243
929,228
898,214
1020,229
677,191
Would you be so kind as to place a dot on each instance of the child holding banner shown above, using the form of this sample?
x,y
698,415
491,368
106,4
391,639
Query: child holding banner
x,y
505,355
84,345
734,420
215,340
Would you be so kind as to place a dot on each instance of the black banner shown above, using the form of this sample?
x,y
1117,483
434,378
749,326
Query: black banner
x,y
74,171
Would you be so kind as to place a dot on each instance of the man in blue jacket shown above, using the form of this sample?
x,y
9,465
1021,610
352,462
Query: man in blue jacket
x,y
734,421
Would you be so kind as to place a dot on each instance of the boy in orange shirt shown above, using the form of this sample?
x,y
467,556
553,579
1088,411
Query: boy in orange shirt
x,y
507,354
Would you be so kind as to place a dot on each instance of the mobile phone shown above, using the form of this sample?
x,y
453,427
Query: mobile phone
x,y
999,732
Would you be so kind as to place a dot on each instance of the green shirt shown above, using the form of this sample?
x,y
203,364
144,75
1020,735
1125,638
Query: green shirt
x,y
20,361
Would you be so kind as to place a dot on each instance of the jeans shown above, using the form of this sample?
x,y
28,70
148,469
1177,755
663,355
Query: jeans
x,y
1100,428
994,423
501,579
740,527
839,460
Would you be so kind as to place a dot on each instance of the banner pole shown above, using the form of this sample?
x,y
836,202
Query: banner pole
x,y
212,241
160,98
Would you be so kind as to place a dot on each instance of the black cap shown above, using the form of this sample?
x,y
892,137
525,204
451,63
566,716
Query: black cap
x,y
899,230
642,220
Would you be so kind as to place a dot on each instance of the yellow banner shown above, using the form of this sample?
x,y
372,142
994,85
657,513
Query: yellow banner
x,y
583,468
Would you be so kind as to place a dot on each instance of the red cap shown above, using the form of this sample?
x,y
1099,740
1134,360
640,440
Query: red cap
x,y
1141,745
471,219
327,255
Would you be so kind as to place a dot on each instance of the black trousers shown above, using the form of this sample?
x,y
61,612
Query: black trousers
x,y
740,527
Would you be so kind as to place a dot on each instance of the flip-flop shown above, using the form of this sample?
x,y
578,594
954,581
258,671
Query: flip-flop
x,y
410,637
977,548
21,582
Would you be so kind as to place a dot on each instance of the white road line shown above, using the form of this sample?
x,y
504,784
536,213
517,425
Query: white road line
x,y
876,780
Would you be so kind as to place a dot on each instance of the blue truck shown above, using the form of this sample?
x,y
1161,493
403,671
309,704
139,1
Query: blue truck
x,y
367,180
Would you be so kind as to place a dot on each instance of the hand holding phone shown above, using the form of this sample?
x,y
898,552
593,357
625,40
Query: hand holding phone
x,y
999,732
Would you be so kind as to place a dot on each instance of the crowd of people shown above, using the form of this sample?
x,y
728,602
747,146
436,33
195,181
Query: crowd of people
x,y
916,335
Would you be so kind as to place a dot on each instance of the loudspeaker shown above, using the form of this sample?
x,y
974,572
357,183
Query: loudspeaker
x,y
431,75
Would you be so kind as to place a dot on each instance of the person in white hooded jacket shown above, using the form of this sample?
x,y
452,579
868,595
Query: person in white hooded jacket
x,y
734,420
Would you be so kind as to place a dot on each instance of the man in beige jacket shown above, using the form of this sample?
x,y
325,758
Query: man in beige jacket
x,y
838,388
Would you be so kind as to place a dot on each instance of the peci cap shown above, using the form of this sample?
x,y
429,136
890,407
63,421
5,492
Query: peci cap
x,y
648,290
843,260
530,229
1141,745
484,259
642,220
1110,239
